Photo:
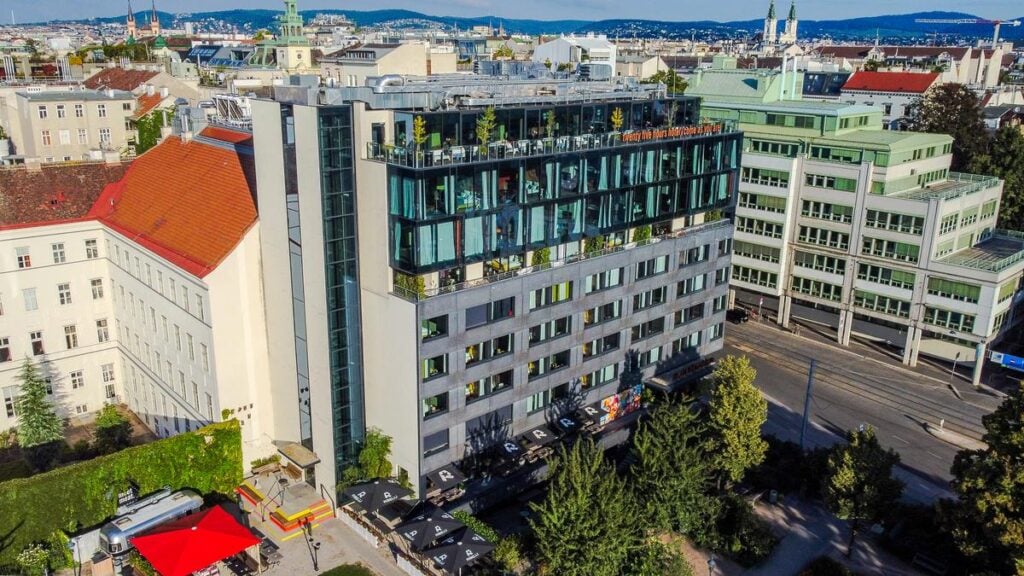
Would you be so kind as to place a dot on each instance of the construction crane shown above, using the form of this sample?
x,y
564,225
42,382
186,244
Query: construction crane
x,y
996,23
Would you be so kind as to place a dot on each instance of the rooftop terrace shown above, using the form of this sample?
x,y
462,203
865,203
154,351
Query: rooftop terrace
x,y
1002,250
958,184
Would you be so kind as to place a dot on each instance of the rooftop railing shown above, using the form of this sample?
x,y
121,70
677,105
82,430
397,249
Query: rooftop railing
x,y
963,185
414,296
989,263
526,148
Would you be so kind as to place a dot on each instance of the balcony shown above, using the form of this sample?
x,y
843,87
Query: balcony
x,y
530,148
414,296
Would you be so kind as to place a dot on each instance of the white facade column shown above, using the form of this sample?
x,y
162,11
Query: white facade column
x,y
785,304
845,327
979,363
732,299
912,346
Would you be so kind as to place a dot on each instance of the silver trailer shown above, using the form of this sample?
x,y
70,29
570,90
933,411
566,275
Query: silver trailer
x,y
144,515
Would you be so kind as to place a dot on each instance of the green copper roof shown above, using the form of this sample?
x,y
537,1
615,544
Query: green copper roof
x,y
792,11
159,42
771,10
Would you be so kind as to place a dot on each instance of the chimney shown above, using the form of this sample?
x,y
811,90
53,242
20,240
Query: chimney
x,y
164,92
110,92
150,90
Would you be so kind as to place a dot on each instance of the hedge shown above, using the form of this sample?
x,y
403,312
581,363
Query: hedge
x,y
208,461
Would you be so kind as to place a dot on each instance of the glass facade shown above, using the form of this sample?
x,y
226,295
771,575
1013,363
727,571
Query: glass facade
x,y
451,215
342,280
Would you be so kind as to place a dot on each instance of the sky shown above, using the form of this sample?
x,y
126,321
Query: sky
x,y
37,10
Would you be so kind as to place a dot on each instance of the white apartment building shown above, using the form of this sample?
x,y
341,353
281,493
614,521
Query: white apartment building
x,y
573,50
69,125
140,301
864,230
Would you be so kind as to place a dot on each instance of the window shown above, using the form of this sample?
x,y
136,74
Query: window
x,y
5,349
817,288
551,295
895,222
177,337
181,384
104,135
721,276
77,381
550,330
761,202
890,249
102,331
988,209
83,136
1007,290
434,328
647,329
954,290
163,327
603,313
435,405
759,227
691,314
774,148
487,386
65,139
126,106
887,276
765,177
79,111
756,251
436,442
160,281
686,343
715,332
58,253
831,182
537,402
64,293
191,347
434,367
755,276
650,298
879,303
695,255
649,357
199,307
543,366
603,280
91,249
823,237
37,343
490,312
692,285
826,211
24,257
184,298
955,321
969,216
101,110
47,140
601,345
97,288
949,223
209,406
651,267
149,275
42,112
719,304
829,264
600,377
29,296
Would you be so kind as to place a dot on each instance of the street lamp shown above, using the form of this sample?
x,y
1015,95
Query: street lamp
x,y
77,552
312,544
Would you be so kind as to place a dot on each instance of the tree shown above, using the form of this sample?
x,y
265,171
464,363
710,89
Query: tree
x,y
672,471
113,430
374,460
617,119
1005,159
675,83
587,524
547,63
38,422
872,66
504,51
987,520
485,125
955,110
736,413
34,560
148,129
859,485
549,123
419,131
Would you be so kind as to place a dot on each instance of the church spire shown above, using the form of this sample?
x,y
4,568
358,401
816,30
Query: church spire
x,y
792,11
771,10
154,20
130,23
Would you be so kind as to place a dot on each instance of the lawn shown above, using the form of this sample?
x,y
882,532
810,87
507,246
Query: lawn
x,y
349,570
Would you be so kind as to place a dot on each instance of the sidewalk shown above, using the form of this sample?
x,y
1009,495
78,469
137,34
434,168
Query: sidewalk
x,y
338,545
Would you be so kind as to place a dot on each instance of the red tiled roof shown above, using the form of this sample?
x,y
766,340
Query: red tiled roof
x,y
910,82
226,135
53,193
194,219
146,103
119,79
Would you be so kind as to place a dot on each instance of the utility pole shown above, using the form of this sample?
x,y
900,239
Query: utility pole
x,y
807,405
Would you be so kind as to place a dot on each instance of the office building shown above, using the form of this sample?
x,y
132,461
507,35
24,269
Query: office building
x,y
448,280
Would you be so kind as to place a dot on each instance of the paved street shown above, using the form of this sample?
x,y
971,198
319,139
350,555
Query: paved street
x,y
861,385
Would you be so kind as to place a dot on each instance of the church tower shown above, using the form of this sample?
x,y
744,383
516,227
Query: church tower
x,y
770,25
132,31
154,21
789,34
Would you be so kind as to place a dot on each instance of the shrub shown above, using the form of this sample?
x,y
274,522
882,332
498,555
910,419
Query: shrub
x,y
265,460
742,535
113,430
349,570
642,234
208,460
541,256
825,566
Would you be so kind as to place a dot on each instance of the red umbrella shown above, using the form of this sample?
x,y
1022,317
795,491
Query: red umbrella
x,y
194,542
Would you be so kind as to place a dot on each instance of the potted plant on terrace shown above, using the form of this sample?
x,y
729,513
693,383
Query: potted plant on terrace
x,y
617,119
419,137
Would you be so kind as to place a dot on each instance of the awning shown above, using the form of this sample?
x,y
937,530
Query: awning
x,y
567,423
592,414
540,436
298,454
446,477
511,449
194,542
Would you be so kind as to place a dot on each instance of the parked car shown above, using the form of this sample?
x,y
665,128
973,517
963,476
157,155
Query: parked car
x,y
737,315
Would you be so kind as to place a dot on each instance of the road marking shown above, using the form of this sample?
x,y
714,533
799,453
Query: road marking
x,y
901,439
934,454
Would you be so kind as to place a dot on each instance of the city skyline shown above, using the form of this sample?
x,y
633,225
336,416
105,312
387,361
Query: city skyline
x,y
29,11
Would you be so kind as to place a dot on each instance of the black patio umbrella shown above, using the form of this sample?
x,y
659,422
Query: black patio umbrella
x,y
372,495
427,526
540,436
459,549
